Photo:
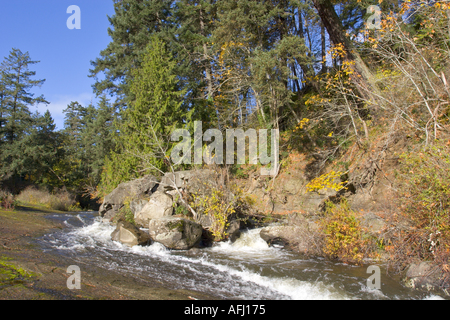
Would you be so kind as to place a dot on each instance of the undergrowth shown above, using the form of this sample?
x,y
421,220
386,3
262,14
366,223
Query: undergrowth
x,y
7,200
345,238
424,201
61,200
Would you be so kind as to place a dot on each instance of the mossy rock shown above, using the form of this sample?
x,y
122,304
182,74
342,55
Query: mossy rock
x,y
178,225
175,233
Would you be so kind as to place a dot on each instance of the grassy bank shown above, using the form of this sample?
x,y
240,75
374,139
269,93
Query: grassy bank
x,y
61,200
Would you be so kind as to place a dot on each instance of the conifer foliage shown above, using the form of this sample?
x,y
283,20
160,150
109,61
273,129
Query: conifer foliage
x,y
21,131
147,122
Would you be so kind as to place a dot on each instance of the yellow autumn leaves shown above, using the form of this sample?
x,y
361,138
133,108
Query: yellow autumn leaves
x,y
327,181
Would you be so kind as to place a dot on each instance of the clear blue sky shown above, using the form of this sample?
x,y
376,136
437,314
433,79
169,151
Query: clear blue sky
x,y
40,27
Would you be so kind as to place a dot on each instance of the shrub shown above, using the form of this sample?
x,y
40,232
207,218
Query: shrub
x,y
327,181
345,238
125,213
219,207
61,200
7,200
424,200
220,200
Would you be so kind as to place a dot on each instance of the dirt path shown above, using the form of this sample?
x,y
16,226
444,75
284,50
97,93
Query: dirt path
x,y
26,272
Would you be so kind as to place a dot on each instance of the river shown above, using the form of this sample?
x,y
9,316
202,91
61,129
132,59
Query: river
x,y
247,269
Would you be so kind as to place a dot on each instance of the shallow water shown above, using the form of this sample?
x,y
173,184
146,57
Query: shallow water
x,y
247,269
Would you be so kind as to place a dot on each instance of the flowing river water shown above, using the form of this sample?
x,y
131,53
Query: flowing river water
x,y
247,269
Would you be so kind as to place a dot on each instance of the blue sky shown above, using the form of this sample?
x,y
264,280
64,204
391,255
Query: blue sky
x,y
40,27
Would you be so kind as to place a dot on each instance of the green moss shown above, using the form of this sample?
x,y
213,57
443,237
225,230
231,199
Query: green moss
x,y
11,275
179,225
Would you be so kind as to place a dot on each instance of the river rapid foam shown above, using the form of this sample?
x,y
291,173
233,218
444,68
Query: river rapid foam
x,y
246,269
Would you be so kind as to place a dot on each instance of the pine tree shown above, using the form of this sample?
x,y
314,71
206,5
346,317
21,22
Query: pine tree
x,y
132,25
74,122
2,109
89,138
191,44
42,149
16,83
16,118
362,78
99,137
259,48
146,125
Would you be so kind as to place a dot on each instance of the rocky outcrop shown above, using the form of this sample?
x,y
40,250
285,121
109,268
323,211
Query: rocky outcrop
x,y
137,205
159,205
423,275
153,203
175,233
128,234
278,235
288,194
185,179
234,230
126,191
373,223
301,235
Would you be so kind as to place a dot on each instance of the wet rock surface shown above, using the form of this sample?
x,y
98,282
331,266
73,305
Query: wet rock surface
x,y
175,233
47,280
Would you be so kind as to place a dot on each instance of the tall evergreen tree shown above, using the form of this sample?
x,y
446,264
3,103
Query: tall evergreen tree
x,y
42,149
259,46
17,83
2,108
132,24
191,44
363,77
147,124
98,137
89,138
16,118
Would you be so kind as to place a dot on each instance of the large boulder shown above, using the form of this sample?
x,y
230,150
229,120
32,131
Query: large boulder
x,y
175,233
302,235
136,205
187,179
128,234
373,223
160,205
126,191
234,230
424,275
278,235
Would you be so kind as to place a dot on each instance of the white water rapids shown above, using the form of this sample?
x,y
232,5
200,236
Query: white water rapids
x,y
247,269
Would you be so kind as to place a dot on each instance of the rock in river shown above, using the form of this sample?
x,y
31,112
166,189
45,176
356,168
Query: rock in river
x,y
126,191
175,233
160,205
128,234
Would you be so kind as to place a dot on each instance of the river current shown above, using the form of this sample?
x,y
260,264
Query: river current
x,y
246,269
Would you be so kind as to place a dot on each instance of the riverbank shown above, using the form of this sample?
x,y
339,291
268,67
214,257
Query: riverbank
x,y
28,273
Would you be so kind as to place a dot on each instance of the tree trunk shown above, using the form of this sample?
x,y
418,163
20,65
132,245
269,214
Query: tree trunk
x,y
322,38
205,53
307,70
362,78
